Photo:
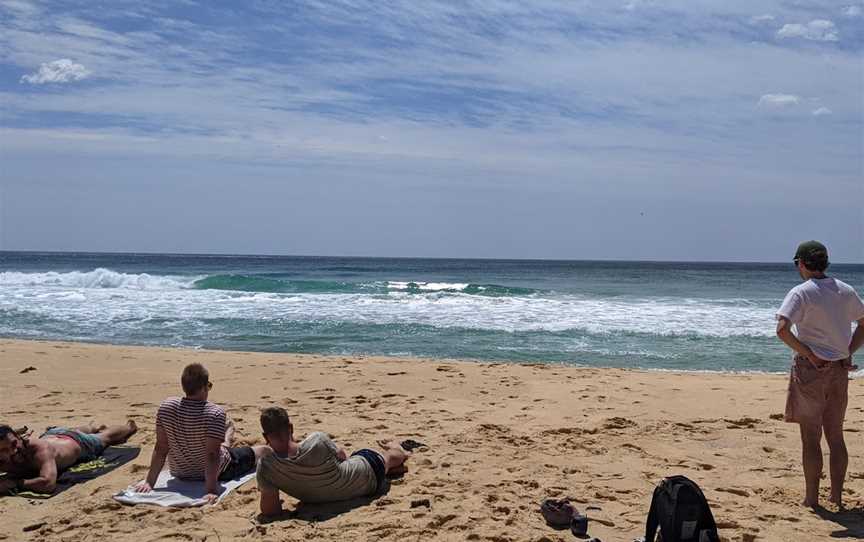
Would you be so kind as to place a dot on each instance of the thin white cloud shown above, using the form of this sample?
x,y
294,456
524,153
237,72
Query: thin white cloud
x,y
761,19
637,4
58,71
821,111
778,101
853,11
815,30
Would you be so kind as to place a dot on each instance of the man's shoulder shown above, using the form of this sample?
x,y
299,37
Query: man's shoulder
x,y
41,450
170,402
213,408
316,438
799,288
845,288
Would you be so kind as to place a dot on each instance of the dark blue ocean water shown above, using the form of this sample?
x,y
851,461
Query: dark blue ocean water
x,y
693,316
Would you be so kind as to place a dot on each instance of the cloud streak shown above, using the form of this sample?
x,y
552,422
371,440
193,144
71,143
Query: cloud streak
x,y
816,30
778,101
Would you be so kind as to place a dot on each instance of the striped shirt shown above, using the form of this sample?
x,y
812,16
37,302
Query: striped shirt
x,y
188,423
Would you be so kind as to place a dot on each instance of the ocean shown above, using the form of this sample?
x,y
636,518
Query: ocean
x,y
650,315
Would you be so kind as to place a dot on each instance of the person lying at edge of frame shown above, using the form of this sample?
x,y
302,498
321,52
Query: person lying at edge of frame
x,y
33,464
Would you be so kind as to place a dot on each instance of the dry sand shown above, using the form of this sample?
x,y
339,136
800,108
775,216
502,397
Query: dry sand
x,y
501,437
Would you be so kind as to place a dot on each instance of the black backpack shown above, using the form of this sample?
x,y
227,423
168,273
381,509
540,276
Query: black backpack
x,y
680,510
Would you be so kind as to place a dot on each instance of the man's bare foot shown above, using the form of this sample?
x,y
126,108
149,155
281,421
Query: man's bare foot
x,y
837,501
133,428
811,503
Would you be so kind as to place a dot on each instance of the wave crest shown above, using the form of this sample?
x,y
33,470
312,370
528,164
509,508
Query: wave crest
x,y
98,278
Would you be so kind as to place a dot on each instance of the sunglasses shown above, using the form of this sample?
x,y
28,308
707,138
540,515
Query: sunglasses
x,y
796,260
209,385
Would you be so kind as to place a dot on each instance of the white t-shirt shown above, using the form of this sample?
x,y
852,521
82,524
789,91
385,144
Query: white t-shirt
x,y
823,311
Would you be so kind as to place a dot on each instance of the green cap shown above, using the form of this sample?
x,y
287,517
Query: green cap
x,y
810,251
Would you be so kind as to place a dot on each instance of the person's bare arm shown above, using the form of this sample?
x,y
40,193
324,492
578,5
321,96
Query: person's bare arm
x,y
784,332
270,503
46,464
157,461
857,337
211,468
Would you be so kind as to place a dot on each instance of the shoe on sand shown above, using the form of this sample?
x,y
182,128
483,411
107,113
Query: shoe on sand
x,y
579,524
557,513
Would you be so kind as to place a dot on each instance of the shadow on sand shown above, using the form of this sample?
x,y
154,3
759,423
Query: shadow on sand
x,y
852,521
314,513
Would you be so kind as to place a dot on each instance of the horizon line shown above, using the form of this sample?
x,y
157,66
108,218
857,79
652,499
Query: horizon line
x,y
251,255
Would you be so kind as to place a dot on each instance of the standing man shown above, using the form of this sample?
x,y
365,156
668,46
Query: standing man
x,y
822,310
195,437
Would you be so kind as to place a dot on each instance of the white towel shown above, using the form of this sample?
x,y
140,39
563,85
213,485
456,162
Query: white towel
x,y
170,491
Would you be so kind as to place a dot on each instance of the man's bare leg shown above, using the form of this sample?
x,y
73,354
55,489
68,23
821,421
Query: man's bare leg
x,y
229,434
839,456
811,458
90,428
117,434
261,451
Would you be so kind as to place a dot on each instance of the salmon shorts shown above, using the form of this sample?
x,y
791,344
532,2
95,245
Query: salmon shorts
x,y
816,395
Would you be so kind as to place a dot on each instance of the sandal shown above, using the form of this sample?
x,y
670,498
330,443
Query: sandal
x,y
411,445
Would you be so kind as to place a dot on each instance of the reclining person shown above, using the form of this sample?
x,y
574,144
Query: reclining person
x,y
316,470
33,464
195,436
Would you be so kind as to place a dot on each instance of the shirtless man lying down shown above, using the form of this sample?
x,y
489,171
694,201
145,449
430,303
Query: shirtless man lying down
x,y
32,464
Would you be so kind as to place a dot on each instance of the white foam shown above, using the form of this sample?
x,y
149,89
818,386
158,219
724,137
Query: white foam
x,y
103,297
428,286
98,278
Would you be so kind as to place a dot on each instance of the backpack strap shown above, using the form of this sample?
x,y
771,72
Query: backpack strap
x,y
653,521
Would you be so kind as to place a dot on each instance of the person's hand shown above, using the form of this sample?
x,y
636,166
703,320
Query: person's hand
x,y
210,498
142,487
847,364
6,486
817,362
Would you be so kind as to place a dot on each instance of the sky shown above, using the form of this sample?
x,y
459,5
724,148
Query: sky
x,y
660,130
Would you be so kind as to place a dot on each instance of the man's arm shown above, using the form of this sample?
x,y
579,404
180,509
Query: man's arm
x,y
46,482
211,468
857,337
157,461
270,503
784,332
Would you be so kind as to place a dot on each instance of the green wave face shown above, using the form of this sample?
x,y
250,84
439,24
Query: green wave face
x,y
251,283
247,283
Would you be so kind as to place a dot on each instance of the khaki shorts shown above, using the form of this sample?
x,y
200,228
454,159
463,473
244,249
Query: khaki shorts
x,y
816,395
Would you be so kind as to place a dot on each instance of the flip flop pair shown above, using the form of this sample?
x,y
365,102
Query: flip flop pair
x,y
560,514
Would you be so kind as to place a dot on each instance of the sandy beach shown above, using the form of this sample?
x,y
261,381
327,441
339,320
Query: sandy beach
x,y
501,437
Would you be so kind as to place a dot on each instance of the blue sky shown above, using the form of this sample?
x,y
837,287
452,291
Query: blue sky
x,y
682,130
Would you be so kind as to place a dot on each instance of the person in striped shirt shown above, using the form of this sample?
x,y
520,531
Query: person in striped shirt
x,y
195,436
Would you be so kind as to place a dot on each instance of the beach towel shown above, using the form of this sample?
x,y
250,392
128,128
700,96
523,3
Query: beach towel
x,y
173,492
111,458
